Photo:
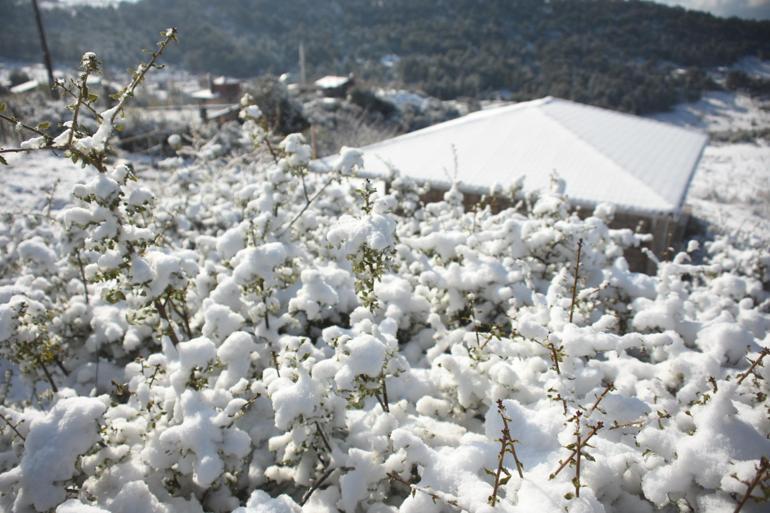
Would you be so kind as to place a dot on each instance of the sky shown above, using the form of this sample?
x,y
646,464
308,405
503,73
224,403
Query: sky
x,y
759,9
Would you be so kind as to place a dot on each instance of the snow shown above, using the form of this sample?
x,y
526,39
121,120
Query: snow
x,y
283,382
52,447
30,180
375,231
729,187
260,502
258,263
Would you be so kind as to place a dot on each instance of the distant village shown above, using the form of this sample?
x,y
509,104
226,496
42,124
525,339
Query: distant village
x,y
327,108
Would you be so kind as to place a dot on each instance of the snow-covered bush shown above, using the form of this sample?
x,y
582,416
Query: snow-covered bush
x,y
256,336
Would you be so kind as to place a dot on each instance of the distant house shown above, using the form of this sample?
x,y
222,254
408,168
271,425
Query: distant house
x,y
221,95
641,166
335,86
229,89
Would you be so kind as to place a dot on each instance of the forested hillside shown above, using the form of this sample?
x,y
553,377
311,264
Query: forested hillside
x,y
617,54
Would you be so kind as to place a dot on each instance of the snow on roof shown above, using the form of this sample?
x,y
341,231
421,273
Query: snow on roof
x,y
604,156
331,81
226,81
29,85
204,94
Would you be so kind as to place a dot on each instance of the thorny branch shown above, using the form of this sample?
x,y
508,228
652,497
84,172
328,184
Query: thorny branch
x,y
756,363
764,464
13,427
578,447
575,282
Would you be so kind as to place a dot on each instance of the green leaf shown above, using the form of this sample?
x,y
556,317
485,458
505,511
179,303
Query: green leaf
x,y
2,107
92,97
45,125
569,496
113,296
3,161
487,471
588,457
505,480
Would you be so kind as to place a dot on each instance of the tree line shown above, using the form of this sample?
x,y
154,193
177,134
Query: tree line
x,y
629,55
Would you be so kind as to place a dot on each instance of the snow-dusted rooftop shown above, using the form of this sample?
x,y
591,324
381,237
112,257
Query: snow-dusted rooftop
x,y
204,94
331,81
604,156
25,87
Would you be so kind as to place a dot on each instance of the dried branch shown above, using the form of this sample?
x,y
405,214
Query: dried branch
x,y
307,205
320,481
575,282
427,491
764,464
507,445
161,309
576,480
13,427
583,443
756,363
610,387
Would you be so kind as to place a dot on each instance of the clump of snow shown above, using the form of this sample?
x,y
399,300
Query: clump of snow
x,y
51,450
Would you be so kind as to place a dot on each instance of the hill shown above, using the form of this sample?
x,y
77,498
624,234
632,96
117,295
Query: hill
x,y
634,56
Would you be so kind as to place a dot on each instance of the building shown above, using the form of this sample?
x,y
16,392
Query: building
x,y
644,167
335,86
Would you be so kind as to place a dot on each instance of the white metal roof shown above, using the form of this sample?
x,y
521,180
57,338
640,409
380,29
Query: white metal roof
x,y
603,156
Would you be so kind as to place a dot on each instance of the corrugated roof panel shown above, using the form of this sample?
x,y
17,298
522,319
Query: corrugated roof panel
x,y
603,156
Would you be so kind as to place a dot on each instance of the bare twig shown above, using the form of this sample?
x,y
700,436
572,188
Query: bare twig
x,y
16,122
47,374
427,491
161,309
60,84
764,463
82,270
325,440
49,200
89,64
320,481
575,282
271,149
754,364
168,36
507,445
307,205
13,427
184,315
638,423
610,387
583,443
578,455
384,389
554,357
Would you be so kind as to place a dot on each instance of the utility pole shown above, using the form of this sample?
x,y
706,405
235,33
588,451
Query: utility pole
x,y
302,75
44,44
